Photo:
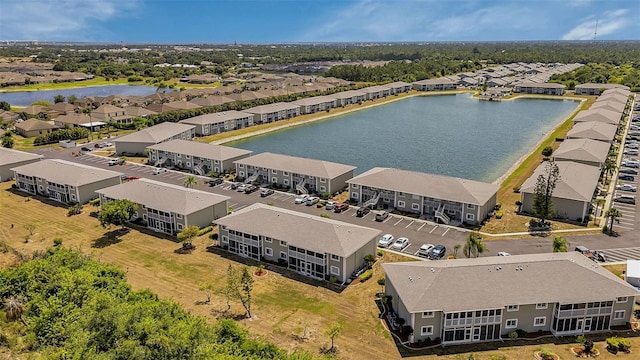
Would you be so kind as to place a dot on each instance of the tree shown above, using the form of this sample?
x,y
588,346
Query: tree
x,y
560,244
5,106
381,282
543,191
612,214
333,332
599,202
7,140
207,288
228,290
30,228
71,99
14,309
547,151
116,212
456,248
190,181
608,168
244,290
58,99
187,234
474,245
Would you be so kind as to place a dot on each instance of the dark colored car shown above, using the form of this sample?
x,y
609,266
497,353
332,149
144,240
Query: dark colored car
x,y
338,208
628,171
85,148
437,252
626,177
216,181
235,185
362,211
266,192
250,189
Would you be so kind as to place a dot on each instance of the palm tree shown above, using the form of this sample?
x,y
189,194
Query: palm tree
x,y
560,244
474,245
612,214
190,181
598,202
14,308
609,167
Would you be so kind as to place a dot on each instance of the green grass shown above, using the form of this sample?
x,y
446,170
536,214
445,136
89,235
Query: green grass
x,y
295,300
97,81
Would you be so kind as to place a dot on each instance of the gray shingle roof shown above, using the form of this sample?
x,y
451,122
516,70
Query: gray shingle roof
x,y
214,118
156,133
207,151
593,130
577,181
543,85
583,150
494,282
299,165
429,185
315,100
600,115
10,156
163,196
307,231
65,172
35,124
611,105
270,108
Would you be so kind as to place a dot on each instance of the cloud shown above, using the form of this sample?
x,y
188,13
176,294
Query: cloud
x,y
579,3
608,23
56,20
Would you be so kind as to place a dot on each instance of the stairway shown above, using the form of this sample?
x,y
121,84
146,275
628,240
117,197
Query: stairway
x,y
441,215
198,169
301,187
251,178
160,161
373,201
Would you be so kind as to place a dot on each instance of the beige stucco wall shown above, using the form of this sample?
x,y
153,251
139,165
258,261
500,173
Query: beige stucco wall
x,y
88,191
6,174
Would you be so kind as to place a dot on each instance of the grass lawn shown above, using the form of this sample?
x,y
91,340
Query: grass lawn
x,y
26,144
97,81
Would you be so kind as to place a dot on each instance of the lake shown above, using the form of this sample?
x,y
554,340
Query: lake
x,y
26,98
454,135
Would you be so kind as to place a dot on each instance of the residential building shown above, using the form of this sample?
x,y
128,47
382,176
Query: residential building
x,y
273,112
599,115
315,104
593,130
584,151
168,208
345,98
200,158
310,245
302,174
536,292
435,84
596,89
632,274
79,120
62,108
10,158
109,113
376,92
215,123
137,142
64,181
573,193
611,105
136,111
609,95
398,87
34,127
447,199
542,88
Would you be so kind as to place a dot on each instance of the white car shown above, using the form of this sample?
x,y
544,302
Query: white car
x,y
631,152
424,250
631,146
502,253
241,187
157,171
385,240
301,198
330,205
626,187
311,200
400,244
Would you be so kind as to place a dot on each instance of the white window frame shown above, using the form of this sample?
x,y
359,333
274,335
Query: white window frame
x,y
73,197
241,166
188,156
274,180
40,187
178,216
415,206
622,299
619,315
355,186
283,243
179,226
225,239
323,188
355,195
401,204
268,251
335,257
323,180
543,321
188,163
334,270
541,306
268,240
285,173
241,173
274,171
285,182
283,255
428,314
471,206
426,330
471,217
512,308
514,324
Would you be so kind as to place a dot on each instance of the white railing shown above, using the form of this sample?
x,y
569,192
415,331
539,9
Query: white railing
x,y
198,169
160,161
373,201
251,178
301,187
441,215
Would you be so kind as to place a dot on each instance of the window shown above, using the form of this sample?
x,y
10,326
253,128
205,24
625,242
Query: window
x,y
73,197
283,255
225,239
285,173
622,299
274,180
285,181
274,171
335,270
144,217
241,166
513,308
400,194
355,186
541,306
540,321
415,197
188,156
415,206
283,243
618,314
323,180
471,217
268,251
40,187
268,240
426,330
188,163
323,188
471,206
178,216
179,226
427,314
401,204
511,324
242,173
355,195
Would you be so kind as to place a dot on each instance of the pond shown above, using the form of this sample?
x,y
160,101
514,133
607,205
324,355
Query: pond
x,y
26,98
454,135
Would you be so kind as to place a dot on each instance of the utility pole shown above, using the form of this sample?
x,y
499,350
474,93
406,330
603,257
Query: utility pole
x,y
595,33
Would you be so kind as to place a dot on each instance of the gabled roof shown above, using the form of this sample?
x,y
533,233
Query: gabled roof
x,y
271,108
347,94
218,117
609,105
65,172
601,86
212,100
429,185
593,130
78,119
541,85
163,196
107,109
35,124
307,231
438,81
582,150
600,115
299,165
63,107
10,156
138,111
156,133
495,282
202,150
577,181
613,96
315,100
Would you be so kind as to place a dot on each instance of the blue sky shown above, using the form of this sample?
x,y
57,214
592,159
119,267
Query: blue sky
x,y
275,21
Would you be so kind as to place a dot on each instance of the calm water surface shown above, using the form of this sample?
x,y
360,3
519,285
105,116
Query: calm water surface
x,y
26,98
453,135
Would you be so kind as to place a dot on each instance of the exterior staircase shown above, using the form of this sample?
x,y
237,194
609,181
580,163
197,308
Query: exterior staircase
x,y
440,215
251,178
300,187
199,170
160,161
373,201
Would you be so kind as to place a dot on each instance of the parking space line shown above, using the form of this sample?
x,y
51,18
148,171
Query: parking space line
x,y
365,215
399,221
446,231
435,227
412,221
624,227
387,219
421,226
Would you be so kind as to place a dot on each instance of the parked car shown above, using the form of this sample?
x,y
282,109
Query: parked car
x,y
631,145
266,192
250,188
301,198
502,253
385,240
382,215
362,211
437,252
630,152
424,250
116,161
215,181
85,148
241,187
626,187
128,177
628,171
235,185
584,251
627,199
338,208
330,204
311,200
631,164
159,170
400,244
626,177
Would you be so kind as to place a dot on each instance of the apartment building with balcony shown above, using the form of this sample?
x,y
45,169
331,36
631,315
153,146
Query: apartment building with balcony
x,y
137,142
10,158
273,112
215,123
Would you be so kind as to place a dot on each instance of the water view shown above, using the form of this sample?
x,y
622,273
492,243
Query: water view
x,y
26,98
453,135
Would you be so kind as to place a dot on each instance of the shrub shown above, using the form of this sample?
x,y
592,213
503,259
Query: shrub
x,y
325,195
533,223
605,229
380,252
366,275
205,230
547,354
624,345
57,241
513,335
612,343
516,189
499,214
547,151
213,236
325,215
518,203
333,279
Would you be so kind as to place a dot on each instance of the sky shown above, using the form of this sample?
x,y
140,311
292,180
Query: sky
x,y
293,21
